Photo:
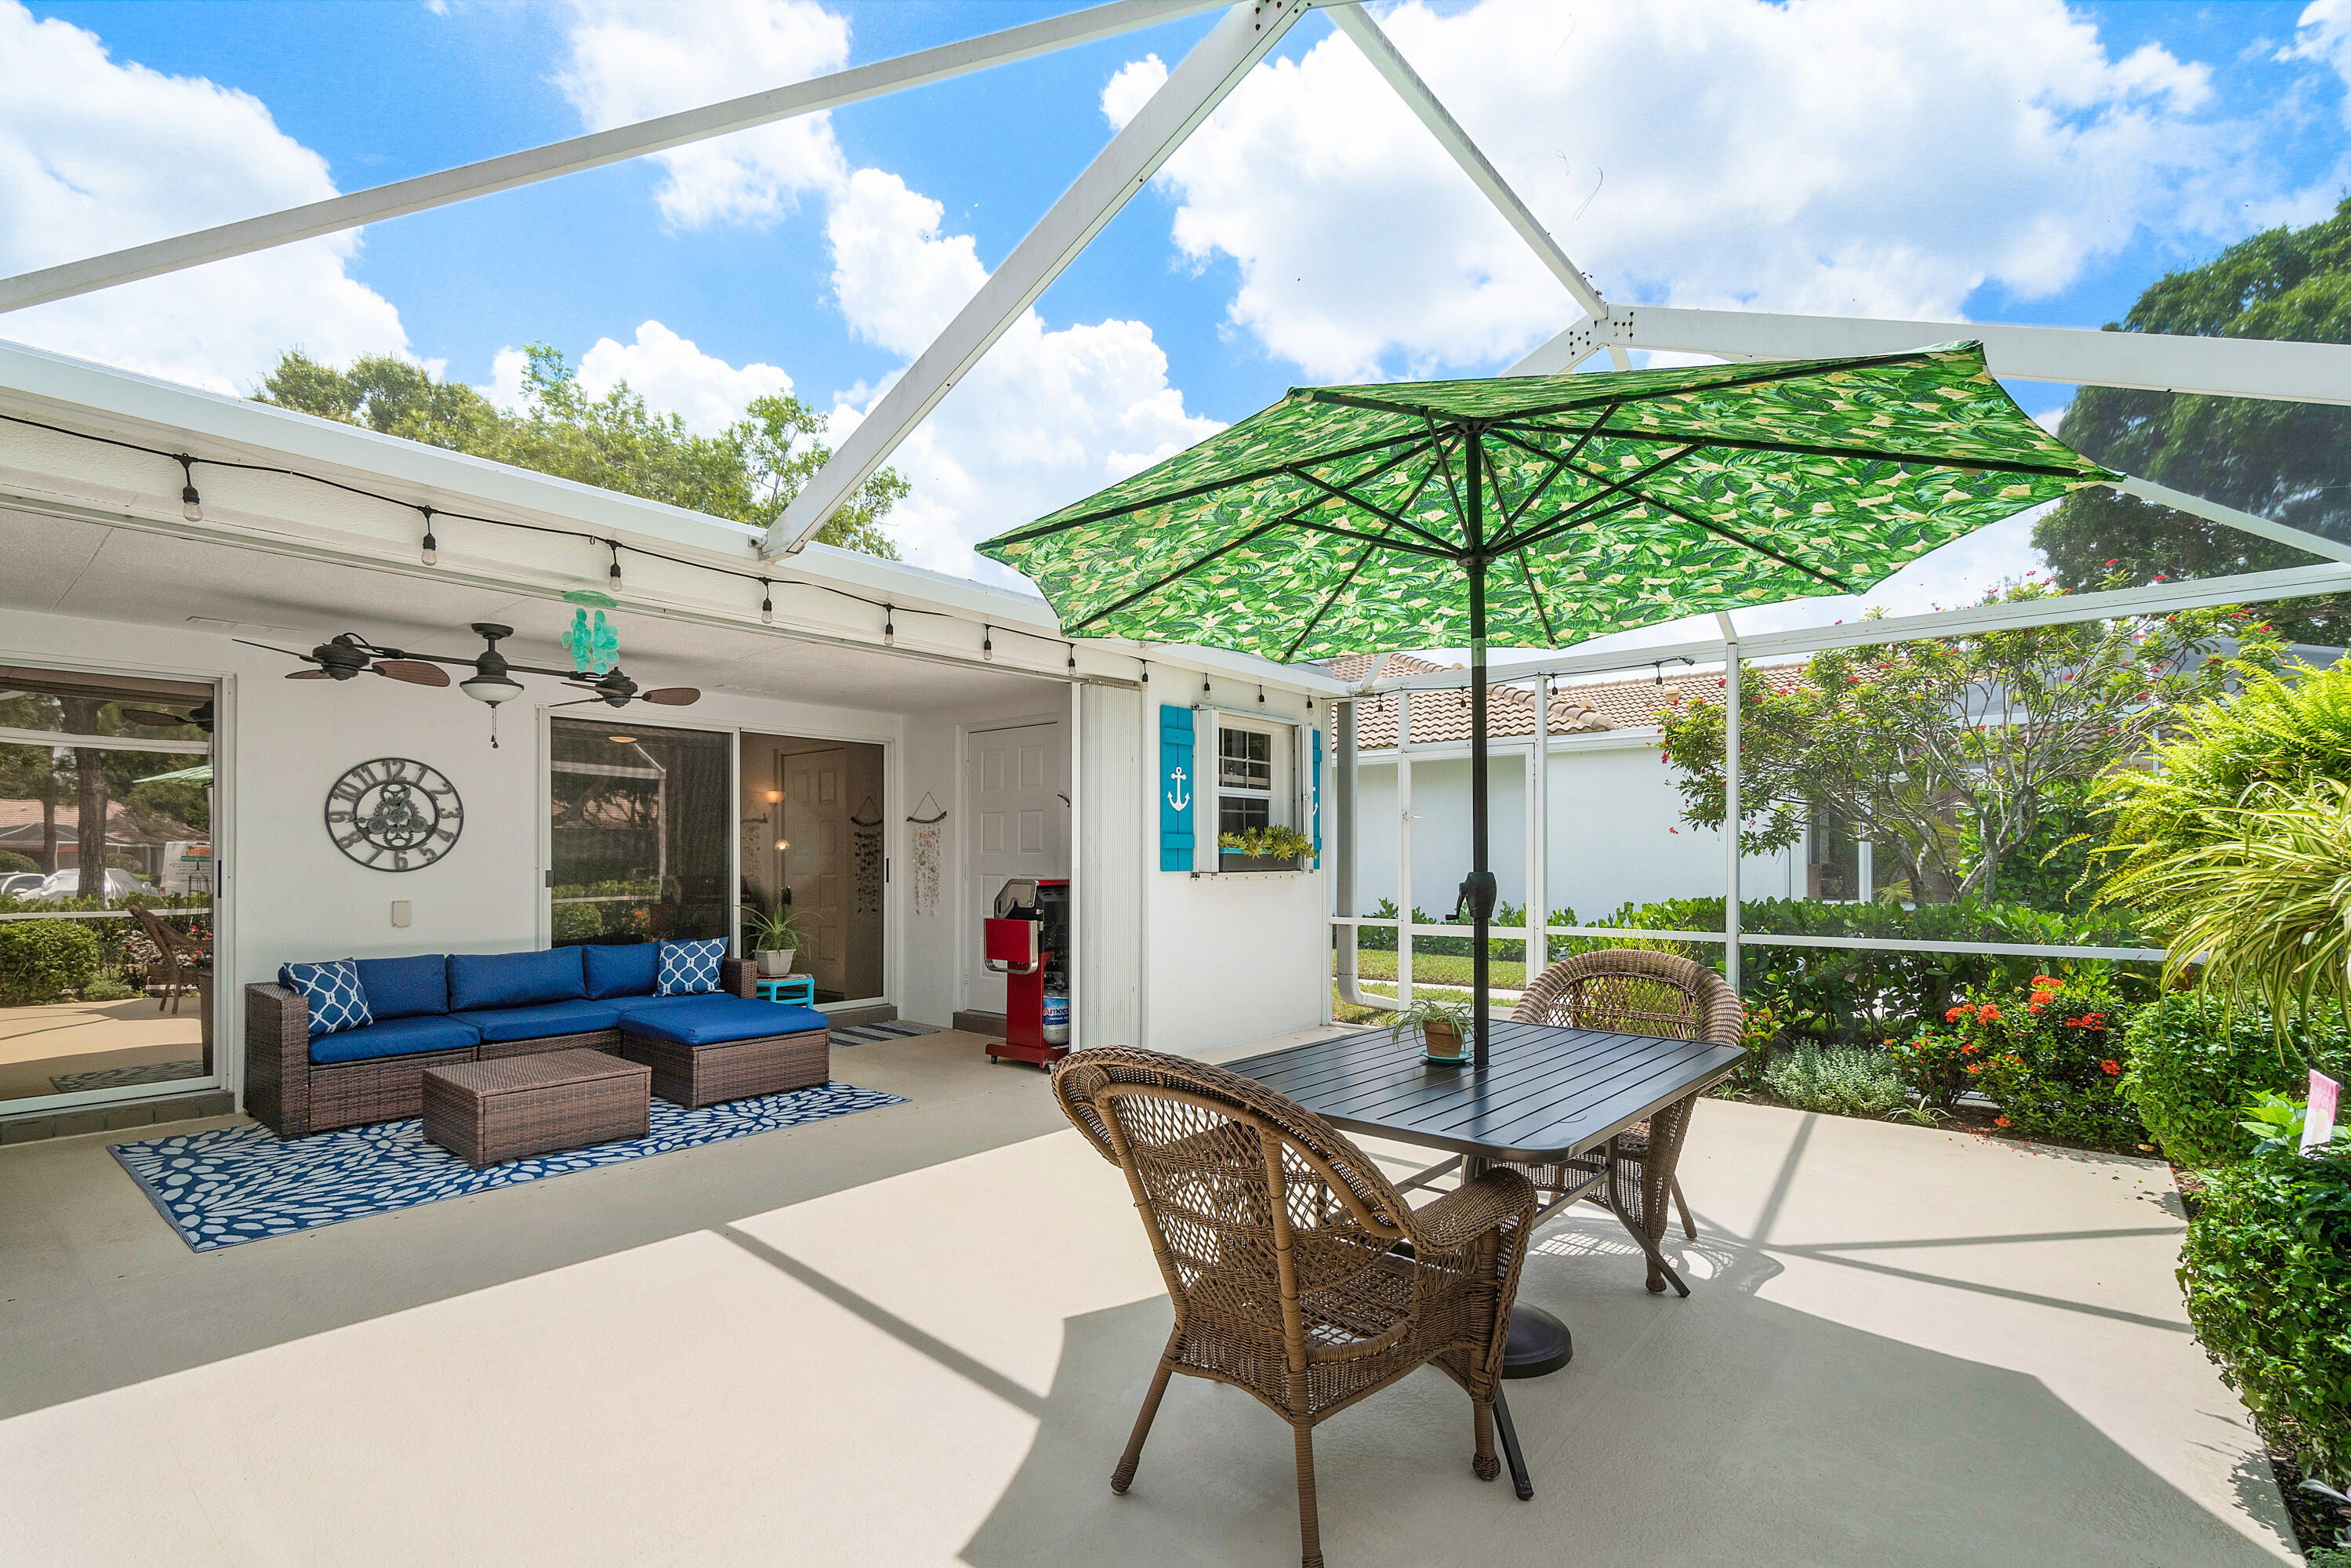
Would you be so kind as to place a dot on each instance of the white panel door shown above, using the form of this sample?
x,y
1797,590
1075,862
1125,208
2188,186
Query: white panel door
x,y
1015,780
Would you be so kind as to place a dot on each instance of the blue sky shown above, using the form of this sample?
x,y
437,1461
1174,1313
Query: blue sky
x,y
2016,160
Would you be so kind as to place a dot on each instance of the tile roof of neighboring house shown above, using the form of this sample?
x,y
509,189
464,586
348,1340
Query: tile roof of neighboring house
x,y
1438,717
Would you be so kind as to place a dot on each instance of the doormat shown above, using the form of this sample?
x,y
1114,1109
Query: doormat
x,y
120,1077
869,1033
241,1184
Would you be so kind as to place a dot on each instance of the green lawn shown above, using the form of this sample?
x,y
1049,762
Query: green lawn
x,y
1439,969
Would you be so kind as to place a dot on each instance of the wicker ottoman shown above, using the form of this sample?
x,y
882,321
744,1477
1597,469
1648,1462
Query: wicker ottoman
x,y
698,1075
488,1112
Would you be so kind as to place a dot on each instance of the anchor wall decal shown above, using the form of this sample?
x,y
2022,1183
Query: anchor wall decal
x,y
1176,798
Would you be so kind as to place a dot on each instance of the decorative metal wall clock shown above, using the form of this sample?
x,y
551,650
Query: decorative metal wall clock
x,y
394,814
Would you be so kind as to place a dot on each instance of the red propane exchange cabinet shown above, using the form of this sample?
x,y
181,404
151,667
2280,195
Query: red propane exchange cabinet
x,y
1028,942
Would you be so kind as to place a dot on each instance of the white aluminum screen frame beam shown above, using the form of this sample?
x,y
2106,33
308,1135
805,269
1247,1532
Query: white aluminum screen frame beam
x,y
2246,588
1397,72
1245,36
591,152
2147,362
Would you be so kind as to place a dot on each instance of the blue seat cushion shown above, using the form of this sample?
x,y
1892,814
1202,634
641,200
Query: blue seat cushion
x,y
622,969
515,980
715,1020
405,988
501,1024
395,1037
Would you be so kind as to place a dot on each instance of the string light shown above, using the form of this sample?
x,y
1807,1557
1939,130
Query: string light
x,y
986,644
889,626
1260,696
192,507
1073,655
1204,686
766,602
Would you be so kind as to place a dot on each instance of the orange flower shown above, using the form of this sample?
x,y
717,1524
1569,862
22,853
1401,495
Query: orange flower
x,y
1953,1016
2110,1068
1968,1048
1975,1067
2036,1006
1999,1121
1987,1014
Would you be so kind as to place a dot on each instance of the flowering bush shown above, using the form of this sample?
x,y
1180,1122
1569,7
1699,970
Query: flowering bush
x,y
2051,1055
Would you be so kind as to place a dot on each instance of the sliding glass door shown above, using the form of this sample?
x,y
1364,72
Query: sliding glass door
x,y
106,883
639,818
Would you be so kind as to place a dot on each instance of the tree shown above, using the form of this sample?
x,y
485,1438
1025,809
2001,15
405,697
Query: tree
x,y
2287,461
749,471
1946,753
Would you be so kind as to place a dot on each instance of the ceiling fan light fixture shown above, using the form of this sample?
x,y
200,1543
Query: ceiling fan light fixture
x,y
491,688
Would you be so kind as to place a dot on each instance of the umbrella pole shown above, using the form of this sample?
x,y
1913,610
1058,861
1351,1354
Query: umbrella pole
x,y
1482,877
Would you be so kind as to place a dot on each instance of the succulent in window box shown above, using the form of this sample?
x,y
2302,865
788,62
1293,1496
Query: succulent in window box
x,y
1445,1027
1272,848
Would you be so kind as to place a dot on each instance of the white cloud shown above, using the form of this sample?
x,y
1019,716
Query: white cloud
x,y
897,278
1813,156
2324,33
1046,418
1132,88
675,375
633,59
97,155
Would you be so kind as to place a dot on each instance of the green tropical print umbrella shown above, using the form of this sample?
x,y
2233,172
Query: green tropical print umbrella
x,y
1539,511
1352,519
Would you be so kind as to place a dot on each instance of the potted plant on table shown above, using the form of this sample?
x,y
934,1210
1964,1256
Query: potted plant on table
x,y
1444,1027
773,939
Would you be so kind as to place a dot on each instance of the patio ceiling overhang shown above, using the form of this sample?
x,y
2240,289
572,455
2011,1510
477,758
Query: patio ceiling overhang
x,y
92,524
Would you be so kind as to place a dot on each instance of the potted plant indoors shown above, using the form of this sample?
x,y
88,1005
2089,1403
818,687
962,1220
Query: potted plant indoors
x,y
1445,1027
773,939
1263,849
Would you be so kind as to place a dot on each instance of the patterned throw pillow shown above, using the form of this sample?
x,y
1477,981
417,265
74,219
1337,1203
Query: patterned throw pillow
x,y
337,1001
689,969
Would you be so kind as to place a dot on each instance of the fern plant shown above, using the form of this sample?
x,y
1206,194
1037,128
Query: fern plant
x,y
2258,893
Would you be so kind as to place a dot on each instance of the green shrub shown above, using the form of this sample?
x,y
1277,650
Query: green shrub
x,y
40,959
1848,1082
12,862
107,989
2266,1270
2193,1063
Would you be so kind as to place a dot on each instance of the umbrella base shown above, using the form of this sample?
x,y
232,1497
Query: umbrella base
x,y
1539,1343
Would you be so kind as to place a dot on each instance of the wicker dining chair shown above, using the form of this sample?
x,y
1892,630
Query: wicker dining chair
x,y
1282,1248
1628,990
180,954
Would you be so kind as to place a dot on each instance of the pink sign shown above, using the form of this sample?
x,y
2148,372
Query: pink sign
x,y
2318,1124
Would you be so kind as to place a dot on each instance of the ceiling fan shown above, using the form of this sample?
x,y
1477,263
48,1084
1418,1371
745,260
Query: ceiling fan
x,y
200,716
492,680
340,658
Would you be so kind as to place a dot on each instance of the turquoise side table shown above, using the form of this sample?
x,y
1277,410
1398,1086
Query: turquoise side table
x,y
801,988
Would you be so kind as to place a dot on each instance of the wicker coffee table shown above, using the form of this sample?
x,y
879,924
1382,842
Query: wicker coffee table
x,y
488,1112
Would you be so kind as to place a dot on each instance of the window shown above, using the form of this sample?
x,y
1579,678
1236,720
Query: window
x,y
1257,780
1244,780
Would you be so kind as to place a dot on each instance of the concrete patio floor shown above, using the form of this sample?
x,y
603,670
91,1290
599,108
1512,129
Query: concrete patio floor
x,y
920,1334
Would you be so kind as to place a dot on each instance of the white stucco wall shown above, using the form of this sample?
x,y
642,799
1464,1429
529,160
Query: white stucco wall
x,y
1617,831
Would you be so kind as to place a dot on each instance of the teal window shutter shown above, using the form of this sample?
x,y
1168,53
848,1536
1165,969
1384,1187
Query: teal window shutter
x,y
1314,799
1177,792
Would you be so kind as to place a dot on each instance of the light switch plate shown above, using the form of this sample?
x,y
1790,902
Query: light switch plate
x,y
399,912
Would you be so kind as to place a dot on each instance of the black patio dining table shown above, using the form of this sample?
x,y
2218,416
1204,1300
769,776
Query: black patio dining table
x,y
1547,1095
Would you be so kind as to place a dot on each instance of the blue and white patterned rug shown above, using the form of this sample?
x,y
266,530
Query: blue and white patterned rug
x,y
242,1184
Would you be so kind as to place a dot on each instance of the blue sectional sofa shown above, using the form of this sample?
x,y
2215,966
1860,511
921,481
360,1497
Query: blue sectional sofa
x,y
442,1009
